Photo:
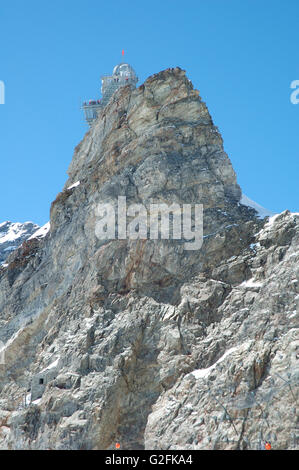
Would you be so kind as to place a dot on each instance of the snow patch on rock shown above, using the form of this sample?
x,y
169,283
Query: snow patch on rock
x,y
202,373
41,232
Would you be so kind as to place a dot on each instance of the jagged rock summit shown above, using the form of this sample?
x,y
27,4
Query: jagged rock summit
x,y
140,341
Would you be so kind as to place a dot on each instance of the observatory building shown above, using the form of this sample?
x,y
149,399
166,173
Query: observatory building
x,y
122,75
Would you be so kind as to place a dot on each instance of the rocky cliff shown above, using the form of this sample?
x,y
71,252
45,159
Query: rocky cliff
x,y
142,341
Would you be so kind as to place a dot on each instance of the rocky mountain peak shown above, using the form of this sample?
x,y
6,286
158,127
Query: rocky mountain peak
x,y
139,340
165,122
156,143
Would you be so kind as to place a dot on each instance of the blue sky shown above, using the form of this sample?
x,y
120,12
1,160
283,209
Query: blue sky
x,y
241,54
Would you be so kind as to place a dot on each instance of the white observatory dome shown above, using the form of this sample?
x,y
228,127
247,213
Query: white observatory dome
x,y
124,70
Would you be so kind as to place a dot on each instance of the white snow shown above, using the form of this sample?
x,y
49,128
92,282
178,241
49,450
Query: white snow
x,y
231,225
4,347
12,338
202,373
222,212
253,246
251,283
36,402
15,231
28,399
51,366
271,220
10,248
74,185
262,212
41,232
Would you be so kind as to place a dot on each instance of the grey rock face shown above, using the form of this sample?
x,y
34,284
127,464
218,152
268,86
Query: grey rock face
x,y
12,235
140,341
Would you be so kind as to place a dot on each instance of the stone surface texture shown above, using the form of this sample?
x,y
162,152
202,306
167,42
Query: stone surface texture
x,y
141,341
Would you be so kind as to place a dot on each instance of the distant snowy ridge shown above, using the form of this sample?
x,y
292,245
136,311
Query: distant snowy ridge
x,y
12,235
262,212
41,232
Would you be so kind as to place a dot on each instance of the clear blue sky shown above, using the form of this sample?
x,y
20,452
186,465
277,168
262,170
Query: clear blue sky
x,y
241,54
